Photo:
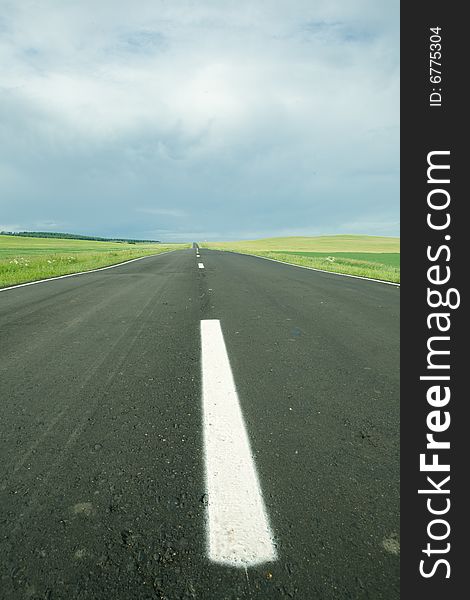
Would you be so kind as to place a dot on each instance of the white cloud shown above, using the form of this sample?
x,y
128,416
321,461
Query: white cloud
x,y
166,212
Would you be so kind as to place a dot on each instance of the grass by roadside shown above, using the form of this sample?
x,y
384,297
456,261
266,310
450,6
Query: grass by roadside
x,y
336,263
30,259
364,256
386,258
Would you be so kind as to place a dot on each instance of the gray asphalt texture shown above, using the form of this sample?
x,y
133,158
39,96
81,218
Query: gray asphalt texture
x,y
101,459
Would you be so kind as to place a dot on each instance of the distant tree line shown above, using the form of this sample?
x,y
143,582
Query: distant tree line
x,y
75,236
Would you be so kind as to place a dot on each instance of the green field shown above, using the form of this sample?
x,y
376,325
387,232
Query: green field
x,y
24,259
365,256
385,258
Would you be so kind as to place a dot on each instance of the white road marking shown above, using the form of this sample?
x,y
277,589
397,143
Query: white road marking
x,y
200,265
238,531
313,268
126,262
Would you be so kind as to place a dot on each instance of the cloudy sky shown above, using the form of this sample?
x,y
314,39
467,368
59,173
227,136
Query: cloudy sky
x,y
192,120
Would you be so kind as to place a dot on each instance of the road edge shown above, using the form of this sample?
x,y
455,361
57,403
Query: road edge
x,y
18,285
310,268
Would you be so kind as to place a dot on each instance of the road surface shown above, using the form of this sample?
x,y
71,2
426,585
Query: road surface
x,y
145,408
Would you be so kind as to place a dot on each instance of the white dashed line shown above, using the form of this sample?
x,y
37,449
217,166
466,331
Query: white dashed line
x,y
200,265
238,532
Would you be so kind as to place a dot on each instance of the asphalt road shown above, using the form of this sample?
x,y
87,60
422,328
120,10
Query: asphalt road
x,y
103,491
